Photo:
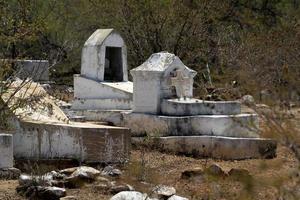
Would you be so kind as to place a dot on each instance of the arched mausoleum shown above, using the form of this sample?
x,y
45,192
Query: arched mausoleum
x,y
104,56
103,83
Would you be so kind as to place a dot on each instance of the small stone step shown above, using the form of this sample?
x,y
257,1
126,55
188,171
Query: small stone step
x,y
190,106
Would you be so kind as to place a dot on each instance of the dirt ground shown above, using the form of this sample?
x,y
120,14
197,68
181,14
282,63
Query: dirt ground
x,y
161,168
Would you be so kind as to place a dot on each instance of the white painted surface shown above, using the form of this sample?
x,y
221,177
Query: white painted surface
x,y
92,95
190,106
86,88
6,151
80,141
102,104
242,125
93,53
152,82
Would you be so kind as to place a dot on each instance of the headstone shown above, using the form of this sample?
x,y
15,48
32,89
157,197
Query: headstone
x,y
38,70
6,151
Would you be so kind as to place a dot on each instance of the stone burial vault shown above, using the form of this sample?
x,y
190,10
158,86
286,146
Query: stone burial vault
x,y
103,83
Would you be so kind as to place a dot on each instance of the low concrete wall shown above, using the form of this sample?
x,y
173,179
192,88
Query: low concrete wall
x,y
242,125
83,142
227,148
6,151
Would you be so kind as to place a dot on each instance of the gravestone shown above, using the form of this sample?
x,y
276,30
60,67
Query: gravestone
x,y
162,76
6,151
38,70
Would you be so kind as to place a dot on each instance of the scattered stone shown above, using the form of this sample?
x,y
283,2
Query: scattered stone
x,y
9,173
50,193
41,193
121,188
215,170
130,195
162,191
69,198
175,197
82,175
190,173
26,180
248,100
111,171
68,171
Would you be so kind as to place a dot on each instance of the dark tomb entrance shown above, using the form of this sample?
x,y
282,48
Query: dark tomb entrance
x,y
113,64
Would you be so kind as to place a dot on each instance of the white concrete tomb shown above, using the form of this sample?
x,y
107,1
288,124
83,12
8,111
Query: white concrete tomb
x,y
6,151
103,83
162,76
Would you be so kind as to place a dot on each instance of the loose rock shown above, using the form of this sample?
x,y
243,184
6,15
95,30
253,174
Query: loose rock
x,y
82,175
120,188
111,171
175,197
9,173
69,198
162,191
130,195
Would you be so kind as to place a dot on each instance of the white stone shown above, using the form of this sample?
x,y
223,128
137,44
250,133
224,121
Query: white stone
x,y
130,195
241,125
95,55
188,107
6,151
152,82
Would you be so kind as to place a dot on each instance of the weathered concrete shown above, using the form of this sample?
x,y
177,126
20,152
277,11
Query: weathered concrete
x,y
81,141
152,82
92,95
181,107
6,151
242,125
111,116
227,148
38,70
94,54
103,83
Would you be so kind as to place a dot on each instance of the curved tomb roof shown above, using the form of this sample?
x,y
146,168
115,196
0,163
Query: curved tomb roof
x,y
162,62
98,37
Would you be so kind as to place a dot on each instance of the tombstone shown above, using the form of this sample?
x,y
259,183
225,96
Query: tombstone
x,y
6,151
104,56
162,76
38,70
103,83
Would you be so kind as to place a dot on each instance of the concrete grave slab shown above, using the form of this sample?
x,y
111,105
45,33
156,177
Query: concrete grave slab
x,y
186,107
81,141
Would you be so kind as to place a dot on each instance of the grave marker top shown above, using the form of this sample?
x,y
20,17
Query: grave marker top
x,y
104,57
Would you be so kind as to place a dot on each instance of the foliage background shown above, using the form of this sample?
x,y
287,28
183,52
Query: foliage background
x,y
251,43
